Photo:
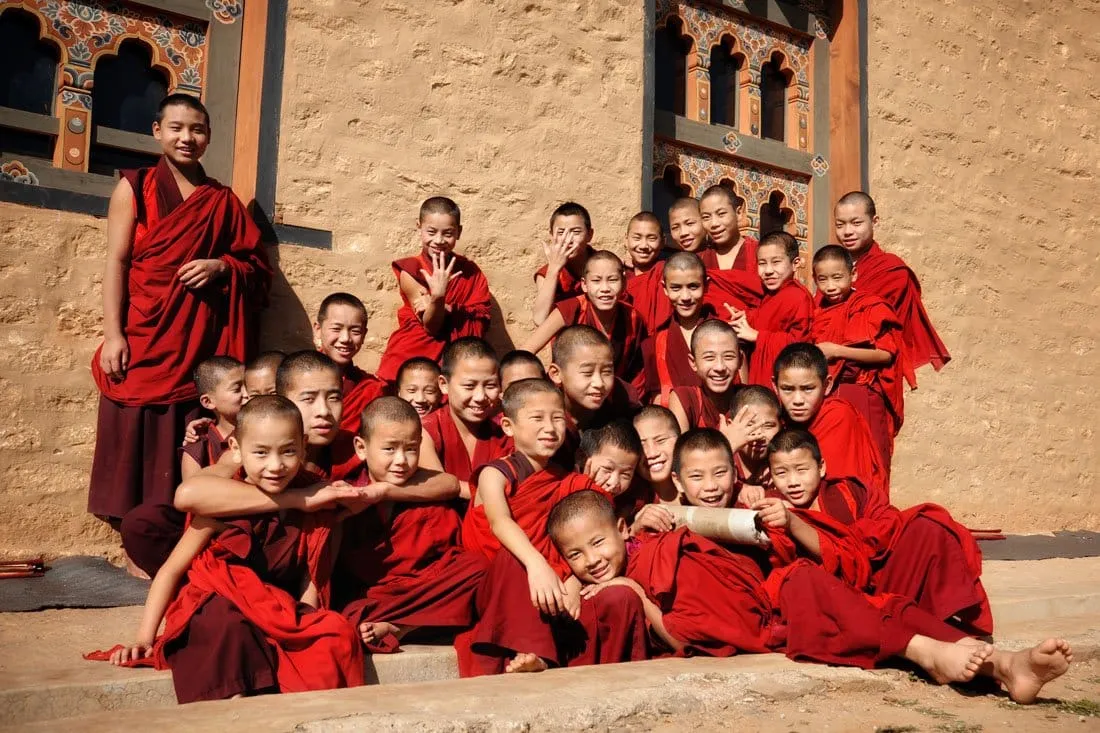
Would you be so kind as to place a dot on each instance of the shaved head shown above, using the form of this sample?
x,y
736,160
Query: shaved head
x,y
572,339
858,198
386,410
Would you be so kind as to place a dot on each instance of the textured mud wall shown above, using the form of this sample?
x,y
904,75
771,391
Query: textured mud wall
x,y
984,165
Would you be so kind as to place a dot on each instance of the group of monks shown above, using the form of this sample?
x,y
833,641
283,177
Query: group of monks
x,y
296,512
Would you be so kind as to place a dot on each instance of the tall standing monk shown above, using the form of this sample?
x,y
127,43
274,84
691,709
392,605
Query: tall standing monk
x,y
567,251
886,275
444,295
185,278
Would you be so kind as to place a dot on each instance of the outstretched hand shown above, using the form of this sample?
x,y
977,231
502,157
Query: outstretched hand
x,y
440,277
742,429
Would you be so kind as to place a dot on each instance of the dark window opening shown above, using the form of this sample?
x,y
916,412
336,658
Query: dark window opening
x,y
725,72
672,49
666,190
126,92
773,217
773,100
29,78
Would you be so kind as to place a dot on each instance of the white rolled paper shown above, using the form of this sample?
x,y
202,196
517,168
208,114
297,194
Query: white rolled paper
x,y
727,525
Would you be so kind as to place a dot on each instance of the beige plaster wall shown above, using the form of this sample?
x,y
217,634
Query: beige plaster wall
x,y
985,165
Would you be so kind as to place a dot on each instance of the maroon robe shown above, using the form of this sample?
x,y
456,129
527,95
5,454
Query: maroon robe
x,y
646,292
627,334
783,318
491,444
468,303
170,329
700,409
846,444
360,389
666,354
208,448
403,563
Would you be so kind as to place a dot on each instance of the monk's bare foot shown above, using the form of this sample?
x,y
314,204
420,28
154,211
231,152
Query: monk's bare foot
x,y
1024,673
134,570
945,662
526,662
374,631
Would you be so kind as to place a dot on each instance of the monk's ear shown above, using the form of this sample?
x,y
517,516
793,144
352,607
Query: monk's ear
x,y
443,385
624,531
676,482
316,335
235,450
506,426
821,469
458,232
554,373
207,402
874,220
360,448
691,360
829,384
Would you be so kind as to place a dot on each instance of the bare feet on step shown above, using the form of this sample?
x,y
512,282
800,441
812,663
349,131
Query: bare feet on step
x,y
1024,673
947,662
526,662
373,632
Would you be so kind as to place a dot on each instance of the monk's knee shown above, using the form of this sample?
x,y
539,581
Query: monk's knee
x,y
617,602
149,534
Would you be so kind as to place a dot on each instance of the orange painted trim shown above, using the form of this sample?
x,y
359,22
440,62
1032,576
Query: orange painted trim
x,y
845,123
246,141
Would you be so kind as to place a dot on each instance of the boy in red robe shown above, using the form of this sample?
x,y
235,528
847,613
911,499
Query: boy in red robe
x,y
418,384
685,225
609,456
761,409
716,359
532,616
785,312
802,383
700,598
401,558
862,339
886,275
920,553
220,384
339,333
658,431
462,436
730,249
644,281
252,615
312,381
567,251
666,354
518,364
601,308
444,296
186,275
259,374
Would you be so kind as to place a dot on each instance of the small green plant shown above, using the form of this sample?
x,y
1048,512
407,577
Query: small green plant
x,y
1088,708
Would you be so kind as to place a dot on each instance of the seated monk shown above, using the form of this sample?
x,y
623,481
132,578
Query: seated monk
x,y
920,553
609,456
657,430
252,616
518,364
716,358
444,296
418,384
757,406
401,566
186,276
567,251
701,598
531,614
339,331
311,381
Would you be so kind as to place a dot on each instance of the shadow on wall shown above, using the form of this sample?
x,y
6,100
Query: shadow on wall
x,y
498,336
284,324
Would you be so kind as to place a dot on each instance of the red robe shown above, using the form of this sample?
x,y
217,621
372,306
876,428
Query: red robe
x,y
469,307
646,292
846,444
208,448
622,403
920,553
666,355
531,495
491,444
360,389
568,284
403,563
171,328
337,459
737,288
886,275
783,318
626,336
701,411
744,261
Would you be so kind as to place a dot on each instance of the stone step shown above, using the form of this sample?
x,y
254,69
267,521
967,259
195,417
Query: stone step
x,y
42,676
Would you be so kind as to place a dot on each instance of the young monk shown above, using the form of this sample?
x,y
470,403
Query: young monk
x,y
418,384
730,249
401,559
601,308
185,276
751,460
582,367
251,617
920,553
444,295
657,430
665,353
644,277
785,312
220,384
567,251
339,333
700,598
716,358
312,381
685,225
531,614
609,456
518,364
802,383
462,436
862,339
886,275
259,374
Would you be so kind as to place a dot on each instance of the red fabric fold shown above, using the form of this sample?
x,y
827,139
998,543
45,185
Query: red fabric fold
x,y
491,443
469,304
170,328
627,334
646,292
783,318
360,389
847,447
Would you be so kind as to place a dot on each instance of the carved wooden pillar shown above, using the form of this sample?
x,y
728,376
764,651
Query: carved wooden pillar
x,y
74,107
697,98
749,99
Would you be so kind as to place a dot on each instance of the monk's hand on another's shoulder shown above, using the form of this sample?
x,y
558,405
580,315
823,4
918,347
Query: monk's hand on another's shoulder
x,y
829,349
652,518
196,429
547,590
590,591
772,513
200,273
139,650
114,357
